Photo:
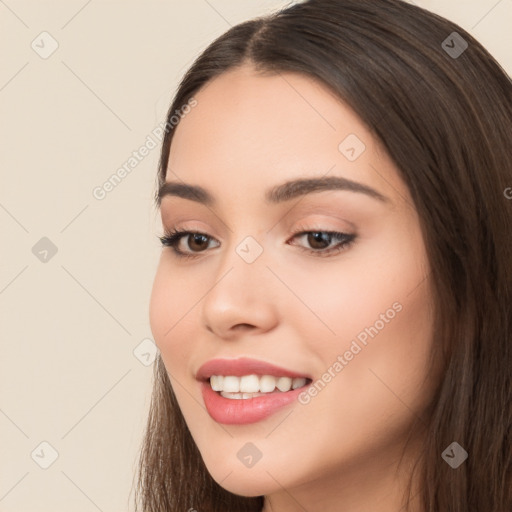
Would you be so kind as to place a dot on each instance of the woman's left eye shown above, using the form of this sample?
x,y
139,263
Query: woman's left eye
x,y
318,240
321,240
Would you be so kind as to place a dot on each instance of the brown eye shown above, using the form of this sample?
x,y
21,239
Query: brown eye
x,y
197,241
319,243
319,239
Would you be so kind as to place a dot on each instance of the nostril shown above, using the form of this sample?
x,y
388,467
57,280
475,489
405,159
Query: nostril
x,y
243,327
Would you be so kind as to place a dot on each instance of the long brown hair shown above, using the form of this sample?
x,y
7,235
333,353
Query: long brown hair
x,y
443,112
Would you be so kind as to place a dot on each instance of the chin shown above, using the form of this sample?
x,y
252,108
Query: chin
x,y
243,481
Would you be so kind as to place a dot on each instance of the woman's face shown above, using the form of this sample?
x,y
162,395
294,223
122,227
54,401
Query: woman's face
x,y
267,281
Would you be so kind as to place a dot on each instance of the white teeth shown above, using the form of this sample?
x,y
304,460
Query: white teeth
x,y
298,383
284,384
216,382
267,384
239,396
249,385
231,384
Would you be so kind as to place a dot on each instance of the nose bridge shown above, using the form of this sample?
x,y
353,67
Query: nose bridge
x,y
240,291
243,266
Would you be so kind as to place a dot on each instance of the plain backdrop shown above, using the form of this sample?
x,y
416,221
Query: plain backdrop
x,y
76,271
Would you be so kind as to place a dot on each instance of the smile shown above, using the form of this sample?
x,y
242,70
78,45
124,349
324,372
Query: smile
x,y
250,386
245,390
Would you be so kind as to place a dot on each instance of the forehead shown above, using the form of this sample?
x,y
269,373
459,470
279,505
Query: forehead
x,y
286,111
248,129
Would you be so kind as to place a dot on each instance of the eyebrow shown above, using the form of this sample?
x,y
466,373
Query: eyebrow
x,y
278,194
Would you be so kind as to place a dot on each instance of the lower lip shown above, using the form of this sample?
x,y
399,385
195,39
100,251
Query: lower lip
x,y
245,410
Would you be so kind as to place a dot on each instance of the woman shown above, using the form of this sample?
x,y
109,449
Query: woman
x,y
333,299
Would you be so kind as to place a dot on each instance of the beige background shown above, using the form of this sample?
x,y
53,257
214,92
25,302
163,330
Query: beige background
x,y
69,325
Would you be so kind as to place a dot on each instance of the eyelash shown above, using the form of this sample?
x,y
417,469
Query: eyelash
x,y
173,237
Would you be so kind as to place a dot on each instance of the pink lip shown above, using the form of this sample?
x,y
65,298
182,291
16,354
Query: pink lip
x,y
243,366
250,410
243,411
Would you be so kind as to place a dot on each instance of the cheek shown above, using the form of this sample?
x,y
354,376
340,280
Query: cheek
x,y
372,304
171,316
376,364
362,288
380,386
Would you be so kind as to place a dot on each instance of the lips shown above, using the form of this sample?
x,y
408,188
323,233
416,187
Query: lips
x,y
250,410
244,366
243,412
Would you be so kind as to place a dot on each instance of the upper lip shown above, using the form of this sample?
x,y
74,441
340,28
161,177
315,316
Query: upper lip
x,y
243,366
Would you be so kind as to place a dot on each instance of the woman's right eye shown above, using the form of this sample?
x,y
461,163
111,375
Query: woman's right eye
x,y
173,239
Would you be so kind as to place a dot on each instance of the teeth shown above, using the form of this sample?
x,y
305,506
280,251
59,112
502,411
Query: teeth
x,y
239,396
298,383
284,384
231,384
216,382
248,385
267,384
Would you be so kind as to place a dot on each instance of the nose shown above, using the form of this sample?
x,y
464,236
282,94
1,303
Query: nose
x,y
242,297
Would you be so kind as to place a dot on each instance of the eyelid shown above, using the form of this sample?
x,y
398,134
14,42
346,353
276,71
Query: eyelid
x,y
313,217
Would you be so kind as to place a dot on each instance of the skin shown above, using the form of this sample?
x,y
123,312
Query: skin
x,y
292,308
